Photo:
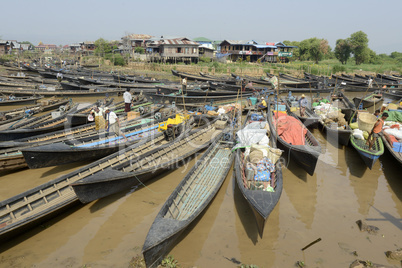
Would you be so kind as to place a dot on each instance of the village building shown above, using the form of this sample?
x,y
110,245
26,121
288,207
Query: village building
x,y
46,47
173,50
265,52
4,47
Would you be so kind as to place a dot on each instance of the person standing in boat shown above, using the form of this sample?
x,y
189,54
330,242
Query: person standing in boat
x,y
127,100
59,76
184,85
97,114
375,132
113,123
303,104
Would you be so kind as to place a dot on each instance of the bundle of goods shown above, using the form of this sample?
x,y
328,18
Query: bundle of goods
x,y
259,157
331,115
260,167
393,131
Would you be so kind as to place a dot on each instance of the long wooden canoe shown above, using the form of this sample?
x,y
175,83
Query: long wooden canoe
x,y
190,198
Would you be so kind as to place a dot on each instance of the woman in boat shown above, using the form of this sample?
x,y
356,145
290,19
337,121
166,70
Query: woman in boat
x,y
375,132
97,113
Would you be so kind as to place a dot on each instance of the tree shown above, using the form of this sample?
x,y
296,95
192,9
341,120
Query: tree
x,y
343,50
359,44
139,50
102,47
315,49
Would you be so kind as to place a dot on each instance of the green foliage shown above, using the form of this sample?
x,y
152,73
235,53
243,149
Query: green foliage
x,y
313,49
338,68
248,266
169,262
116,59
359,44
139,50
248,58
343,50
205,59
102,47
239,60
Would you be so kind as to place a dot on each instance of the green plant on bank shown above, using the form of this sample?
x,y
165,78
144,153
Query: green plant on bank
x,y
169,262
248,266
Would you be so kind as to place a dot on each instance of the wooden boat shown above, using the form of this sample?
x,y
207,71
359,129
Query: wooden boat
x,y
50,122
260,200
51,91
193,77
135,79
369,156
371,102
340,100
305,155
190,198
11,156
195,92
138,164
4,100
27,111
17,84
89,148
157,98
341,135
396,155
393,94
310,119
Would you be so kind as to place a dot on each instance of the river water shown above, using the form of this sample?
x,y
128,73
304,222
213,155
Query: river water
x,y
111,231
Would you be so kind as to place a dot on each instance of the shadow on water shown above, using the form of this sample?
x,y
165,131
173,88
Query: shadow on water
x,y
61,168
37,227
246,216
294,168
354,162
105,201
392,172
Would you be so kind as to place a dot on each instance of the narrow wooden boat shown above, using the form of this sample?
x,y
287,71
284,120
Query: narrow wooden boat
x,y
43,105
51,91
369,156
393,94
261,200
89,148
44,124
17,84
4,100
340,100
138,164
157,98
341,135
371,102
310,119
29,208
190,198
194,77
305,155
395,154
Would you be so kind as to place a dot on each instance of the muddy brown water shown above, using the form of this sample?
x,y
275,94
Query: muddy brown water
x,y
110,231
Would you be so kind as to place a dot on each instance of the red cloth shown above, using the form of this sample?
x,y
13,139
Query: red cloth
x,y
392,138
291,130
395,126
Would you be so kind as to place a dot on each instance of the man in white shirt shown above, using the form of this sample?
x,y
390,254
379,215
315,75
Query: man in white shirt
x,y
127,100
113,123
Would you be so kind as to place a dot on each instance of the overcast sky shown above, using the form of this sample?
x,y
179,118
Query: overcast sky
x,y
72,21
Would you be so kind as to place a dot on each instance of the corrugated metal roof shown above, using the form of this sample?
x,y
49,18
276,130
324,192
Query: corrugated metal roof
x,y
176,41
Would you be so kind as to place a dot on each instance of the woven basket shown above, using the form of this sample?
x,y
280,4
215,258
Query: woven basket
x,y
366,121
